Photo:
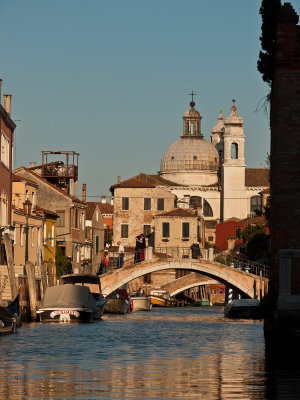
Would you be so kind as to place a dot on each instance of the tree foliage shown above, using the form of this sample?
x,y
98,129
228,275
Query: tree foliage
x,y
256,238
60,262
266,61
252,230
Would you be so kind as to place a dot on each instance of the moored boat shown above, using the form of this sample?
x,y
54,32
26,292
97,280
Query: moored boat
x,y
117,302
140,302
78,299
10,317
160,298
243,308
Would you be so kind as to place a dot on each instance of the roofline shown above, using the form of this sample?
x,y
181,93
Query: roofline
x,y
73,198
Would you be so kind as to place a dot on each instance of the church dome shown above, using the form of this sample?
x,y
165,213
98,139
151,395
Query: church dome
x,y
190,154
191,159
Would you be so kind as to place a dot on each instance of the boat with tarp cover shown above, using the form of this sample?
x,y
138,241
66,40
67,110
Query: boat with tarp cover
x,y
78,299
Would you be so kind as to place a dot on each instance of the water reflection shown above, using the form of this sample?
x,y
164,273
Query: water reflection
x,y
165,354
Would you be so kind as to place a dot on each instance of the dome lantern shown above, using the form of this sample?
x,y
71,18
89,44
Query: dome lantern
x,y
192,121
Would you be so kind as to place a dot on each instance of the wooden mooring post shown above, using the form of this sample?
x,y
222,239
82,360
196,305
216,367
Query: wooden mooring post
x,y
10,265
43,279
50,273
30,272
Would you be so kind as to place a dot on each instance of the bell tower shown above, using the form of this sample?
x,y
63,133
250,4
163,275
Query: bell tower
x,y
233,167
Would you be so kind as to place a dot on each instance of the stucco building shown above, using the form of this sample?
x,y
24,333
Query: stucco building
x,y
7,127
209,178
71,212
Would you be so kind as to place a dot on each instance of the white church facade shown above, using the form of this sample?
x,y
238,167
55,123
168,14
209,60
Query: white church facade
x,y
208,177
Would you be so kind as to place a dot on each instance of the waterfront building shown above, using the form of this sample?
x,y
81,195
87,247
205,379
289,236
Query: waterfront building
x,y
40,222
7,127
71,213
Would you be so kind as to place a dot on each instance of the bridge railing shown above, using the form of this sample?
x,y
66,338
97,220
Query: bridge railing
x,y
243,264
169,253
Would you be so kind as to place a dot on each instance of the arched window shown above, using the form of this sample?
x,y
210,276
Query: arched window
x,y
187,128
207,210
198,202
234,151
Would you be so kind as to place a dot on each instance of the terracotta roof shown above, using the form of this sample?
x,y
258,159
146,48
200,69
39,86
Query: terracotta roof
x,y
17,178
90,209
106,208
74,199
144,181
257,177
259,220
177,212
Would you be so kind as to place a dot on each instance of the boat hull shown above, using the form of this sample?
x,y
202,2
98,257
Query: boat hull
x,y
159,301
10,317
66,315
141,304
116,306
243,308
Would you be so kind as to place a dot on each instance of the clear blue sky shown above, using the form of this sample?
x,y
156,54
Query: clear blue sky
x,y
109,79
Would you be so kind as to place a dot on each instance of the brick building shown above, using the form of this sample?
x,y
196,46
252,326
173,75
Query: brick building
x,y
285,165
7,127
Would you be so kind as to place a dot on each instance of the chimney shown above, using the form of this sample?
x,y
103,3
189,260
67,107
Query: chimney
x,y
119,179
103,199
84,192
112,200
7,102
0,89
32,164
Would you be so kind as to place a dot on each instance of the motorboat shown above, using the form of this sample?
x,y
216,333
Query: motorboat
x,y
160,298
78,299
243,308
140,302
10,317
118,302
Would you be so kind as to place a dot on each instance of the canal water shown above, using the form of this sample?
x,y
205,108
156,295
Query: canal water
x,y
178,353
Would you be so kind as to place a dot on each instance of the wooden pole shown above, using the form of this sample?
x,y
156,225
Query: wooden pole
x,y
30,272
260,285
43,279
10,265
0,289
50,273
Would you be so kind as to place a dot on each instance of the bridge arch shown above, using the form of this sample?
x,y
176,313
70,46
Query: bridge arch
x,y
192,285
241,282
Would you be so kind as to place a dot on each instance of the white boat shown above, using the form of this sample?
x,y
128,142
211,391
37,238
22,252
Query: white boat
x,y
243,308
78,299
140,303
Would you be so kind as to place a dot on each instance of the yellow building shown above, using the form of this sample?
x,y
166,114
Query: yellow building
x,y
37,243
49,236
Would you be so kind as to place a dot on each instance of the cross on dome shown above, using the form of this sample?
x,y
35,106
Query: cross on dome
x,y
192,103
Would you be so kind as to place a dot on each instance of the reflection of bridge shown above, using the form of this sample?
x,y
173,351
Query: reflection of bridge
x,y
249,284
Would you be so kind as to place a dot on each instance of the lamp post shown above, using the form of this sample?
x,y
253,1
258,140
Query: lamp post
x,y
27,208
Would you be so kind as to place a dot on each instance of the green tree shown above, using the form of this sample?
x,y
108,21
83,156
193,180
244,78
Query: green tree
x,y
60,261
266,61
256,238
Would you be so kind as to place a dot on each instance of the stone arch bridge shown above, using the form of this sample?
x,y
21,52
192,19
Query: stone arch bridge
x,y
247,284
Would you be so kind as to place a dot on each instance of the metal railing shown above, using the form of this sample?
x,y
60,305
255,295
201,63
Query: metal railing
x,y
243,264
